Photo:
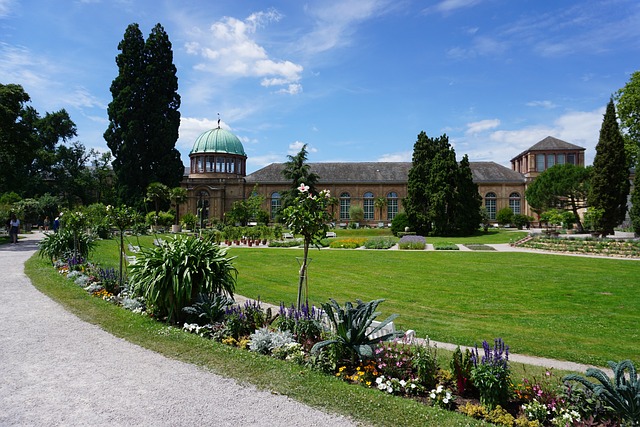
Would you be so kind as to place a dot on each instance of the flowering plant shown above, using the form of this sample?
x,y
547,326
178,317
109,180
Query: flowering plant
x,y
412,242
396,386
490,375
307,216
441,397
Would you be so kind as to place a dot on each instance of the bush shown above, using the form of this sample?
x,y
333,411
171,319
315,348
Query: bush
x,y
384,242
305,324
349,243
171,276
264,341
189,220
399,223
356,214
61,245
504,216
445,247
412,242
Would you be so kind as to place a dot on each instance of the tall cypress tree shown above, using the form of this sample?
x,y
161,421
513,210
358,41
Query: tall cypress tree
x,y
467,217
417,204
143,115
610,174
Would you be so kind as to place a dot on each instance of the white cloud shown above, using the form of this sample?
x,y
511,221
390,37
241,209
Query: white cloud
x,y
5,7
544,104
481,126
338,20
404,156
295,147
447,6
229,49
191,128
258,162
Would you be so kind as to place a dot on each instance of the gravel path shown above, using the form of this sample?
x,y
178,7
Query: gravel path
x,y
58,370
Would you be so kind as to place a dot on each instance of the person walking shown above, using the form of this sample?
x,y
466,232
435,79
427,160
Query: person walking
x,y
14,228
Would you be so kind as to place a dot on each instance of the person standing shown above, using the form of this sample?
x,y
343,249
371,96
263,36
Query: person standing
x,y
45,224
14,225
56,224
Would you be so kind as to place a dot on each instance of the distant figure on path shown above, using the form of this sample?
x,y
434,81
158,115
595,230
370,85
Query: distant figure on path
x,y
56,224
45,224
14,228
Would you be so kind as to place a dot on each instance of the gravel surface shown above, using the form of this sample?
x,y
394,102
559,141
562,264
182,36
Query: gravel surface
x,y
58,370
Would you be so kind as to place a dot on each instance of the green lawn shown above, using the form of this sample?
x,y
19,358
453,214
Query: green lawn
x,y
569,308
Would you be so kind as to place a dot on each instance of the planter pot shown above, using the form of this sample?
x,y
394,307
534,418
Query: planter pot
x,y
250,243
176,228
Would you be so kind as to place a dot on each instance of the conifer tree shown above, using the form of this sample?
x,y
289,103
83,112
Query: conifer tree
x,y
634,212
610,174
143,115
441,196
298,172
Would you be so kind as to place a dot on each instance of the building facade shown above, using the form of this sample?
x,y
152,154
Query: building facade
x,y
217,178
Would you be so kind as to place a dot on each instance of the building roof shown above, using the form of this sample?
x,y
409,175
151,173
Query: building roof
x,y
551,144
217,141
379,172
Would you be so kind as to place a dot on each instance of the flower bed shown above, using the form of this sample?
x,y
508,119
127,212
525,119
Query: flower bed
x,y
479,247
348,243
445,247
607,247
412,242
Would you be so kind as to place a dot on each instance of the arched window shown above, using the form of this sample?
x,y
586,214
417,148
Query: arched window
x,y
203,207
276,204
345,204
367,205
514,203
392,205
490,205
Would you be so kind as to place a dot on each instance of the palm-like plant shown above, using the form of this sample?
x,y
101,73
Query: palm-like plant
x,y
350,324
171,276
64,242
380,203
622,394
178,195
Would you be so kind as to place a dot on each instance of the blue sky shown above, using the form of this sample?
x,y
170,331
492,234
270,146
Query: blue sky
x,y
356,80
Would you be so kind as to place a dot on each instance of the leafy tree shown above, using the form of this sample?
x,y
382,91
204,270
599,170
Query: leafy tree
x,y
438,190
560,187
143,115
243,211
157,193
178,196
356,213
610,174
399,223
307,216
298,172
380,203
628,106
504,216
28,142
634,212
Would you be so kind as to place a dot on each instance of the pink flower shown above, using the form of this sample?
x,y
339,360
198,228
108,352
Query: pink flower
x,y
303,188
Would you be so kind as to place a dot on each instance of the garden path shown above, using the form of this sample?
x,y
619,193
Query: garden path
x,y
59,370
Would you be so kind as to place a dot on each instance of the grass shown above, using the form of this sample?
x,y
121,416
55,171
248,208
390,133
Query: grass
x,y
325,392
568,308
577,309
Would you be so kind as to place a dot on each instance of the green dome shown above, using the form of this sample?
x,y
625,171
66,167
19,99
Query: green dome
x,y
218,141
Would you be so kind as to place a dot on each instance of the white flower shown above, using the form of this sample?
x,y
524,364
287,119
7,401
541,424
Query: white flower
x,y
439,389
390,389
403,383
379,380
445,400
432,395
303,188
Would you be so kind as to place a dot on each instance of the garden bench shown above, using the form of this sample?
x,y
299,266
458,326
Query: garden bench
x,y
343,225
389,328
133,248
381,225
287,236
130,259
331,234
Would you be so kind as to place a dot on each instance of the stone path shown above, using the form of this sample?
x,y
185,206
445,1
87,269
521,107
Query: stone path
x,y
60,371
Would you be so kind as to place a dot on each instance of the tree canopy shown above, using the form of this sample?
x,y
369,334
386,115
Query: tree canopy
x,y
628,106
143,115
610,174
563,186
441,196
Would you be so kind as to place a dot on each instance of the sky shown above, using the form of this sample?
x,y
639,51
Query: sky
x,y
355,80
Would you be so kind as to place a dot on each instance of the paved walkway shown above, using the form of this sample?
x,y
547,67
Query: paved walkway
x,y
57,370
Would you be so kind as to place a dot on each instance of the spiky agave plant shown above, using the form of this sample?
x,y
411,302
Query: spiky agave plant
x,y
349,326
622,394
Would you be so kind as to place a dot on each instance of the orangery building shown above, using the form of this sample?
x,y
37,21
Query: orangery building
x,y
216,178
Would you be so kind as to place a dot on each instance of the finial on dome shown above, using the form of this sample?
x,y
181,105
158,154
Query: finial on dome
x,y
218,120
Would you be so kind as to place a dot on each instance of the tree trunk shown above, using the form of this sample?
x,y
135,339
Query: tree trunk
x,y
303,272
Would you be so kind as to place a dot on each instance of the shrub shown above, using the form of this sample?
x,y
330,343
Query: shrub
x,y
384,242
61,244
412,242
189,220
393,360
445,247
208,309
349,326
264,341
349,243
399,223
504,216
490,375
305,324
356,214
171,276
285,243
109,279
622,393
